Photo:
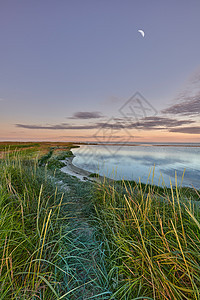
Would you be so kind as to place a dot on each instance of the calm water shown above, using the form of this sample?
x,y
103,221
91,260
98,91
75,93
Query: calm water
x,y
134,162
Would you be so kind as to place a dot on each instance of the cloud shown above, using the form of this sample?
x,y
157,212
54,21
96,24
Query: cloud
x,y
148,123
86,115
190,107
158,123
56,127
190,130
187,103
63,126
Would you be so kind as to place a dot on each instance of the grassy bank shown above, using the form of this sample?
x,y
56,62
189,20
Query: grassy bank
x,y
29,230
61,238
152,241
48,249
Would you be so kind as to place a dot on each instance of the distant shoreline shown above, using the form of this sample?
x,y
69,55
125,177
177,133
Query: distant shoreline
x,y
141,144
7,143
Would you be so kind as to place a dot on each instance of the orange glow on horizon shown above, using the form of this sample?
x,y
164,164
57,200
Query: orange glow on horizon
x,y
79,136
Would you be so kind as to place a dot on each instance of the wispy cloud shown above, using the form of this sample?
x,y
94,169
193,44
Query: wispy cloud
x,y
159,123
182,117
86,115
61,126
148,123
189,107
187,103
64,126
189,130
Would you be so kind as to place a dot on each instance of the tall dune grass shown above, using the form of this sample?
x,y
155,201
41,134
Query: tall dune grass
x,y
151,241
148,238
29,231
47,248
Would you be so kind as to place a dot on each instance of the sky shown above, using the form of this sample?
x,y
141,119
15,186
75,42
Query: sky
x,y
79,70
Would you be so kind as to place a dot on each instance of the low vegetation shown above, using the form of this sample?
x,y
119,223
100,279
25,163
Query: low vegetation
x,y
65,239
152,241
29,231
46,243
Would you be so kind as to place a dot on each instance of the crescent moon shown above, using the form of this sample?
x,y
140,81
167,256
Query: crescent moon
x,y
141,31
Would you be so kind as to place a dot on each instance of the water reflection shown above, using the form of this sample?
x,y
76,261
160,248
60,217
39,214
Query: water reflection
x,y
132,162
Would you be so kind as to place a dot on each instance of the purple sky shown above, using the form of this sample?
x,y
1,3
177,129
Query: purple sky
x,y
60,60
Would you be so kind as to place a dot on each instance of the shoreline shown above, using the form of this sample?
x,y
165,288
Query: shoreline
x,y
194,145
79,173
84,175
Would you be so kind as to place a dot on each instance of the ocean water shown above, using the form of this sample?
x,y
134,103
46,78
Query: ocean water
x,y
134,162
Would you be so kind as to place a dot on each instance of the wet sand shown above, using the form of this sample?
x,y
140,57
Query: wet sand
x,y
81,174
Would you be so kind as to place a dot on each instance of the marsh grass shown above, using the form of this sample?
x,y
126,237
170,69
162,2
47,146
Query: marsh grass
x,y
47,247
151,241
29,230
53,159
112,240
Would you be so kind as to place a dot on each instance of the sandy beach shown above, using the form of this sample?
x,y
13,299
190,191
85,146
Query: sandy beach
x,y
81,174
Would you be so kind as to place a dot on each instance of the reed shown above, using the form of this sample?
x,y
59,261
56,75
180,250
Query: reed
x,y
151,240
110,240
47,247
29,230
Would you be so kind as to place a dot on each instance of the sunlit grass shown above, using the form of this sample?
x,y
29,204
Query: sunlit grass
x,y
44,254
29,231
152,241
111,240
